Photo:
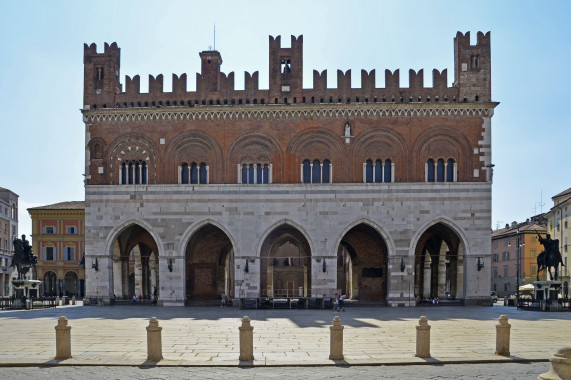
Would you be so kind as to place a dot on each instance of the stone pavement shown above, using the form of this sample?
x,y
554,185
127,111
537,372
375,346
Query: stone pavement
x,y
208,336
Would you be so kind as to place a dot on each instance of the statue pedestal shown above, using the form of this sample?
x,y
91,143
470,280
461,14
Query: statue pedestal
x,y
24,290
547,290
547,294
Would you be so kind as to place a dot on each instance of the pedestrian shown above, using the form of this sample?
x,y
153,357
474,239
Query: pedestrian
x,y
155,296
223,300
342,302
336,302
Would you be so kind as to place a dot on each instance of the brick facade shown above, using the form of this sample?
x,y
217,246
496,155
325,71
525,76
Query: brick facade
x,y
205,173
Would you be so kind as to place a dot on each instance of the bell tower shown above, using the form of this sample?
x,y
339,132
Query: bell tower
x,y
286,70
101,75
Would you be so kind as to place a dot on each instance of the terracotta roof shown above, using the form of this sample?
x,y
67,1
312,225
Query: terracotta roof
x,y
73,205
564,192
522,227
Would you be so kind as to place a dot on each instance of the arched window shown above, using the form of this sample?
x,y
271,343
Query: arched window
x,y
306,172
378,171
316,172
244,173
369,171
388,171
450,170
185,175
137,173
255,173
251,174
144,173
259,178
430,170
325,171
266,173
131,173
97,151
440,170
193,173
123,173
203,173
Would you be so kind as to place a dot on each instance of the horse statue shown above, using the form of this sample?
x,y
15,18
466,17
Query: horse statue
x,y
549,257
23,258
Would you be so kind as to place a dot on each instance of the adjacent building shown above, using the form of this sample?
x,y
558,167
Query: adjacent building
x,y
58,233
8,232
383,194
558,228
516,246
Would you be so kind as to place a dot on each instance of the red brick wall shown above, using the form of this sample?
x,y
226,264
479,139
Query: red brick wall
x,y
409,142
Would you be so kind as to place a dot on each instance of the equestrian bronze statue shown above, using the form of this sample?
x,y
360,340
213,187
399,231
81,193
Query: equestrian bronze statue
x,y
549,257
23,258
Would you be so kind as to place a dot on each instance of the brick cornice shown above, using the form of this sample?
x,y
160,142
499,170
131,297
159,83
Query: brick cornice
x,y
288,112
57,214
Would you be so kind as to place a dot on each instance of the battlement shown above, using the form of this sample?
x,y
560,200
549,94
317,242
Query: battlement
x,y
214,87
464,39
108,50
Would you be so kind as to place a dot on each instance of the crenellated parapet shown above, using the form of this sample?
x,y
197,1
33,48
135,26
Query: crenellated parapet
x,y
102,88
472,67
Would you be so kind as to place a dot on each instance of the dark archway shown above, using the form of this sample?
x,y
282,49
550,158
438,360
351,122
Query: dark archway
x,y
50,284
135,263
209,265
362,267
285,263
438,260
71,284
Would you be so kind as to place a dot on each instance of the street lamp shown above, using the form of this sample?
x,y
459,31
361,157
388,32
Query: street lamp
x,y
518,258
517,268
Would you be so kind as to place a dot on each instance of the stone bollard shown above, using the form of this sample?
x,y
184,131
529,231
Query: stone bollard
x,y
423,338
73,300
560,366
336,340
154,341
503,336
63,339
246,340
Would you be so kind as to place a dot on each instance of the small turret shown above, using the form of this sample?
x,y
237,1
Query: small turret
x,y
101,75
472,68
286,69
210,72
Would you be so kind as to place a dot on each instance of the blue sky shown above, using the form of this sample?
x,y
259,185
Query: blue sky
x,y
41,74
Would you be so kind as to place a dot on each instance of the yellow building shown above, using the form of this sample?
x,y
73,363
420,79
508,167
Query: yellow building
x,y
516,244
558,228
58,239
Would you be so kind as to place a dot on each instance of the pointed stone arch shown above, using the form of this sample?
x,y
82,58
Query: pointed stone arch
x,y
363,261
132,245
209,250
439,249
285,252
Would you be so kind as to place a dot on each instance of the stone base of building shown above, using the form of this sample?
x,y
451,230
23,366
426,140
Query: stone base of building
x,y
478,301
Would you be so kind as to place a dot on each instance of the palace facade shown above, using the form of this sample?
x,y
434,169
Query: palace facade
x,y
383,194
58,233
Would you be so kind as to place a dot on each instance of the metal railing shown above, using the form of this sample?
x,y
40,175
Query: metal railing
x,y
22,303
